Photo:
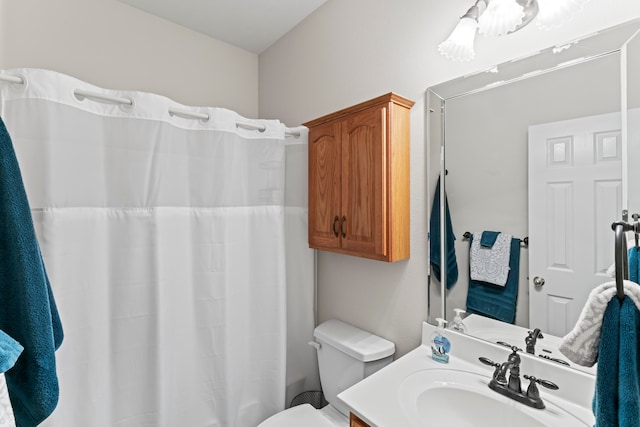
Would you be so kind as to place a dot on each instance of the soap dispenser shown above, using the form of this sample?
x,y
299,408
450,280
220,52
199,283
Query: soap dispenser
x,y
440,344
456,323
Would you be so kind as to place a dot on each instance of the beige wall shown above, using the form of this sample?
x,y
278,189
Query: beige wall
x,y
116,46
346,52
352,50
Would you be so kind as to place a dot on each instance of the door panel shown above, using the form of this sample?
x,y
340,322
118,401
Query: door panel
x,y
575,189
324,185
363,190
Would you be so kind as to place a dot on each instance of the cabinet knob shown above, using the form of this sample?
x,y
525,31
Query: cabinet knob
x,y
335,222
344,221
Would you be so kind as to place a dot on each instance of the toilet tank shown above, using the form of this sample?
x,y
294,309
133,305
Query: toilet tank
x,y
347,355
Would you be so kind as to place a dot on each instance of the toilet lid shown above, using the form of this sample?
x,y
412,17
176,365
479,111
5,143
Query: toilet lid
x,y
301,415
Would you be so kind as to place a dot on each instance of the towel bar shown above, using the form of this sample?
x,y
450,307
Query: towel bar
x,y
523,242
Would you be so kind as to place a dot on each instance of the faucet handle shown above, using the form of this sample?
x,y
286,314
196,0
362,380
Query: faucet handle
x,y
490,362
536,333
533,392
515,349
554,359
545,383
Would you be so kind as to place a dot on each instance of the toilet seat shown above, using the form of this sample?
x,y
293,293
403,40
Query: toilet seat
x,y
301,415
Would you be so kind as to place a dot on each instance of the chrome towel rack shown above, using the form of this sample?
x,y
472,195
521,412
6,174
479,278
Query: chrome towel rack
x,y
523,242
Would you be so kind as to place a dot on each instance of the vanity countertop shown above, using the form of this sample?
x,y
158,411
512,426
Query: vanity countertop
x,y
374,399
377,400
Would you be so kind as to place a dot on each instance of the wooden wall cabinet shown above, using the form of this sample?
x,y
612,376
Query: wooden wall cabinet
x,y
355,421
359,180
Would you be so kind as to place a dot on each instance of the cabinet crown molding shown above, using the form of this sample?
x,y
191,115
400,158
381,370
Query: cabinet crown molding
x,y
382,99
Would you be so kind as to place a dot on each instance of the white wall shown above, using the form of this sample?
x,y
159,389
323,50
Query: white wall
x,y
116,46
352,50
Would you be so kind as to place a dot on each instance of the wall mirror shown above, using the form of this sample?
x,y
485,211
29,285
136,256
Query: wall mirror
x,y
542,147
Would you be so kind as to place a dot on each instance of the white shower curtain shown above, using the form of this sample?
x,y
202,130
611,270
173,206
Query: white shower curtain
x,y
164,238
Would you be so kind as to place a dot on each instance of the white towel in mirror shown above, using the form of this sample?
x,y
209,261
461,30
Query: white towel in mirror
x,y
6,411
490,265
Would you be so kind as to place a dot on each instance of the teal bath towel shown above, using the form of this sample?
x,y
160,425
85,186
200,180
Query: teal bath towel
x,y
634,265
489,238
435,240
28,311
497,302
617,397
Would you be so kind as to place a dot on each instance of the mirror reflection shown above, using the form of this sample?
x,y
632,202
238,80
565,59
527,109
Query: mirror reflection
x,y
538,148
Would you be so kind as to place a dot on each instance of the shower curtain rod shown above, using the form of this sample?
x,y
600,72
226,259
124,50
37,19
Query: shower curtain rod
x,y
82,94
11,79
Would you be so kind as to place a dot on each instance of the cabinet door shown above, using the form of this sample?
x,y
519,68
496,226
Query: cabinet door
x,y
363,181
324,186
355,421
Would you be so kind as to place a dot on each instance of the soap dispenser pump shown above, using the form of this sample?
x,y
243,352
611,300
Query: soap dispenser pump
x,y
457,324
440,344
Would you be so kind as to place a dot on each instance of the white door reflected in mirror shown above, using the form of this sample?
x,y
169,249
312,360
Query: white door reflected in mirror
x,y
575,187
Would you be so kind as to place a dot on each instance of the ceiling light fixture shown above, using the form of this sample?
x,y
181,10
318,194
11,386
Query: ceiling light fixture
x,y
500,17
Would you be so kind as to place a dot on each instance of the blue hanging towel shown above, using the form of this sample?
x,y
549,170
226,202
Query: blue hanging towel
x,y
489,238
28,311
498,302
634,265
435,240
617,396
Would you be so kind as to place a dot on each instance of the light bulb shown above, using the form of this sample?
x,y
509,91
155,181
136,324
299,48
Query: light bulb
x,y
554,13
459,45
500,17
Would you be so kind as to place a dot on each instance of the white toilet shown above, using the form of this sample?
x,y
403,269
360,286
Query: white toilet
x,y
346,355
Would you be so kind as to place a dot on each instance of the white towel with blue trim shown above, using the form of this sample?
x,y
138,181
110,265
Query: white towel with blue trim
x,y
581,344
490,265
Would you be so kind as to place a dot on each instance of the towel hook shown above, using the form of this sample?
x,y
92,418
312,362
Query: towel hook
x,y
621,260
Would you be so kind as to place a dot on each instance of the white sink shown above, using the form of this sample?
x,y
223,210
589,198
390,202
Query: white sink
x,y
416,391
434,397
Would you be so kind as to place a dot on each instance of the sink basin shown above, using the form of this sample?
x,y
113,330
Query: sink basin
x,y
435,397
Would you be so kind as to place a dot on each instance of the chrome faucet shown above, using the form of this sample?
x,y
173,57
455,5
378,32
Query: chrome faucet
x,y
531,340
511,387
